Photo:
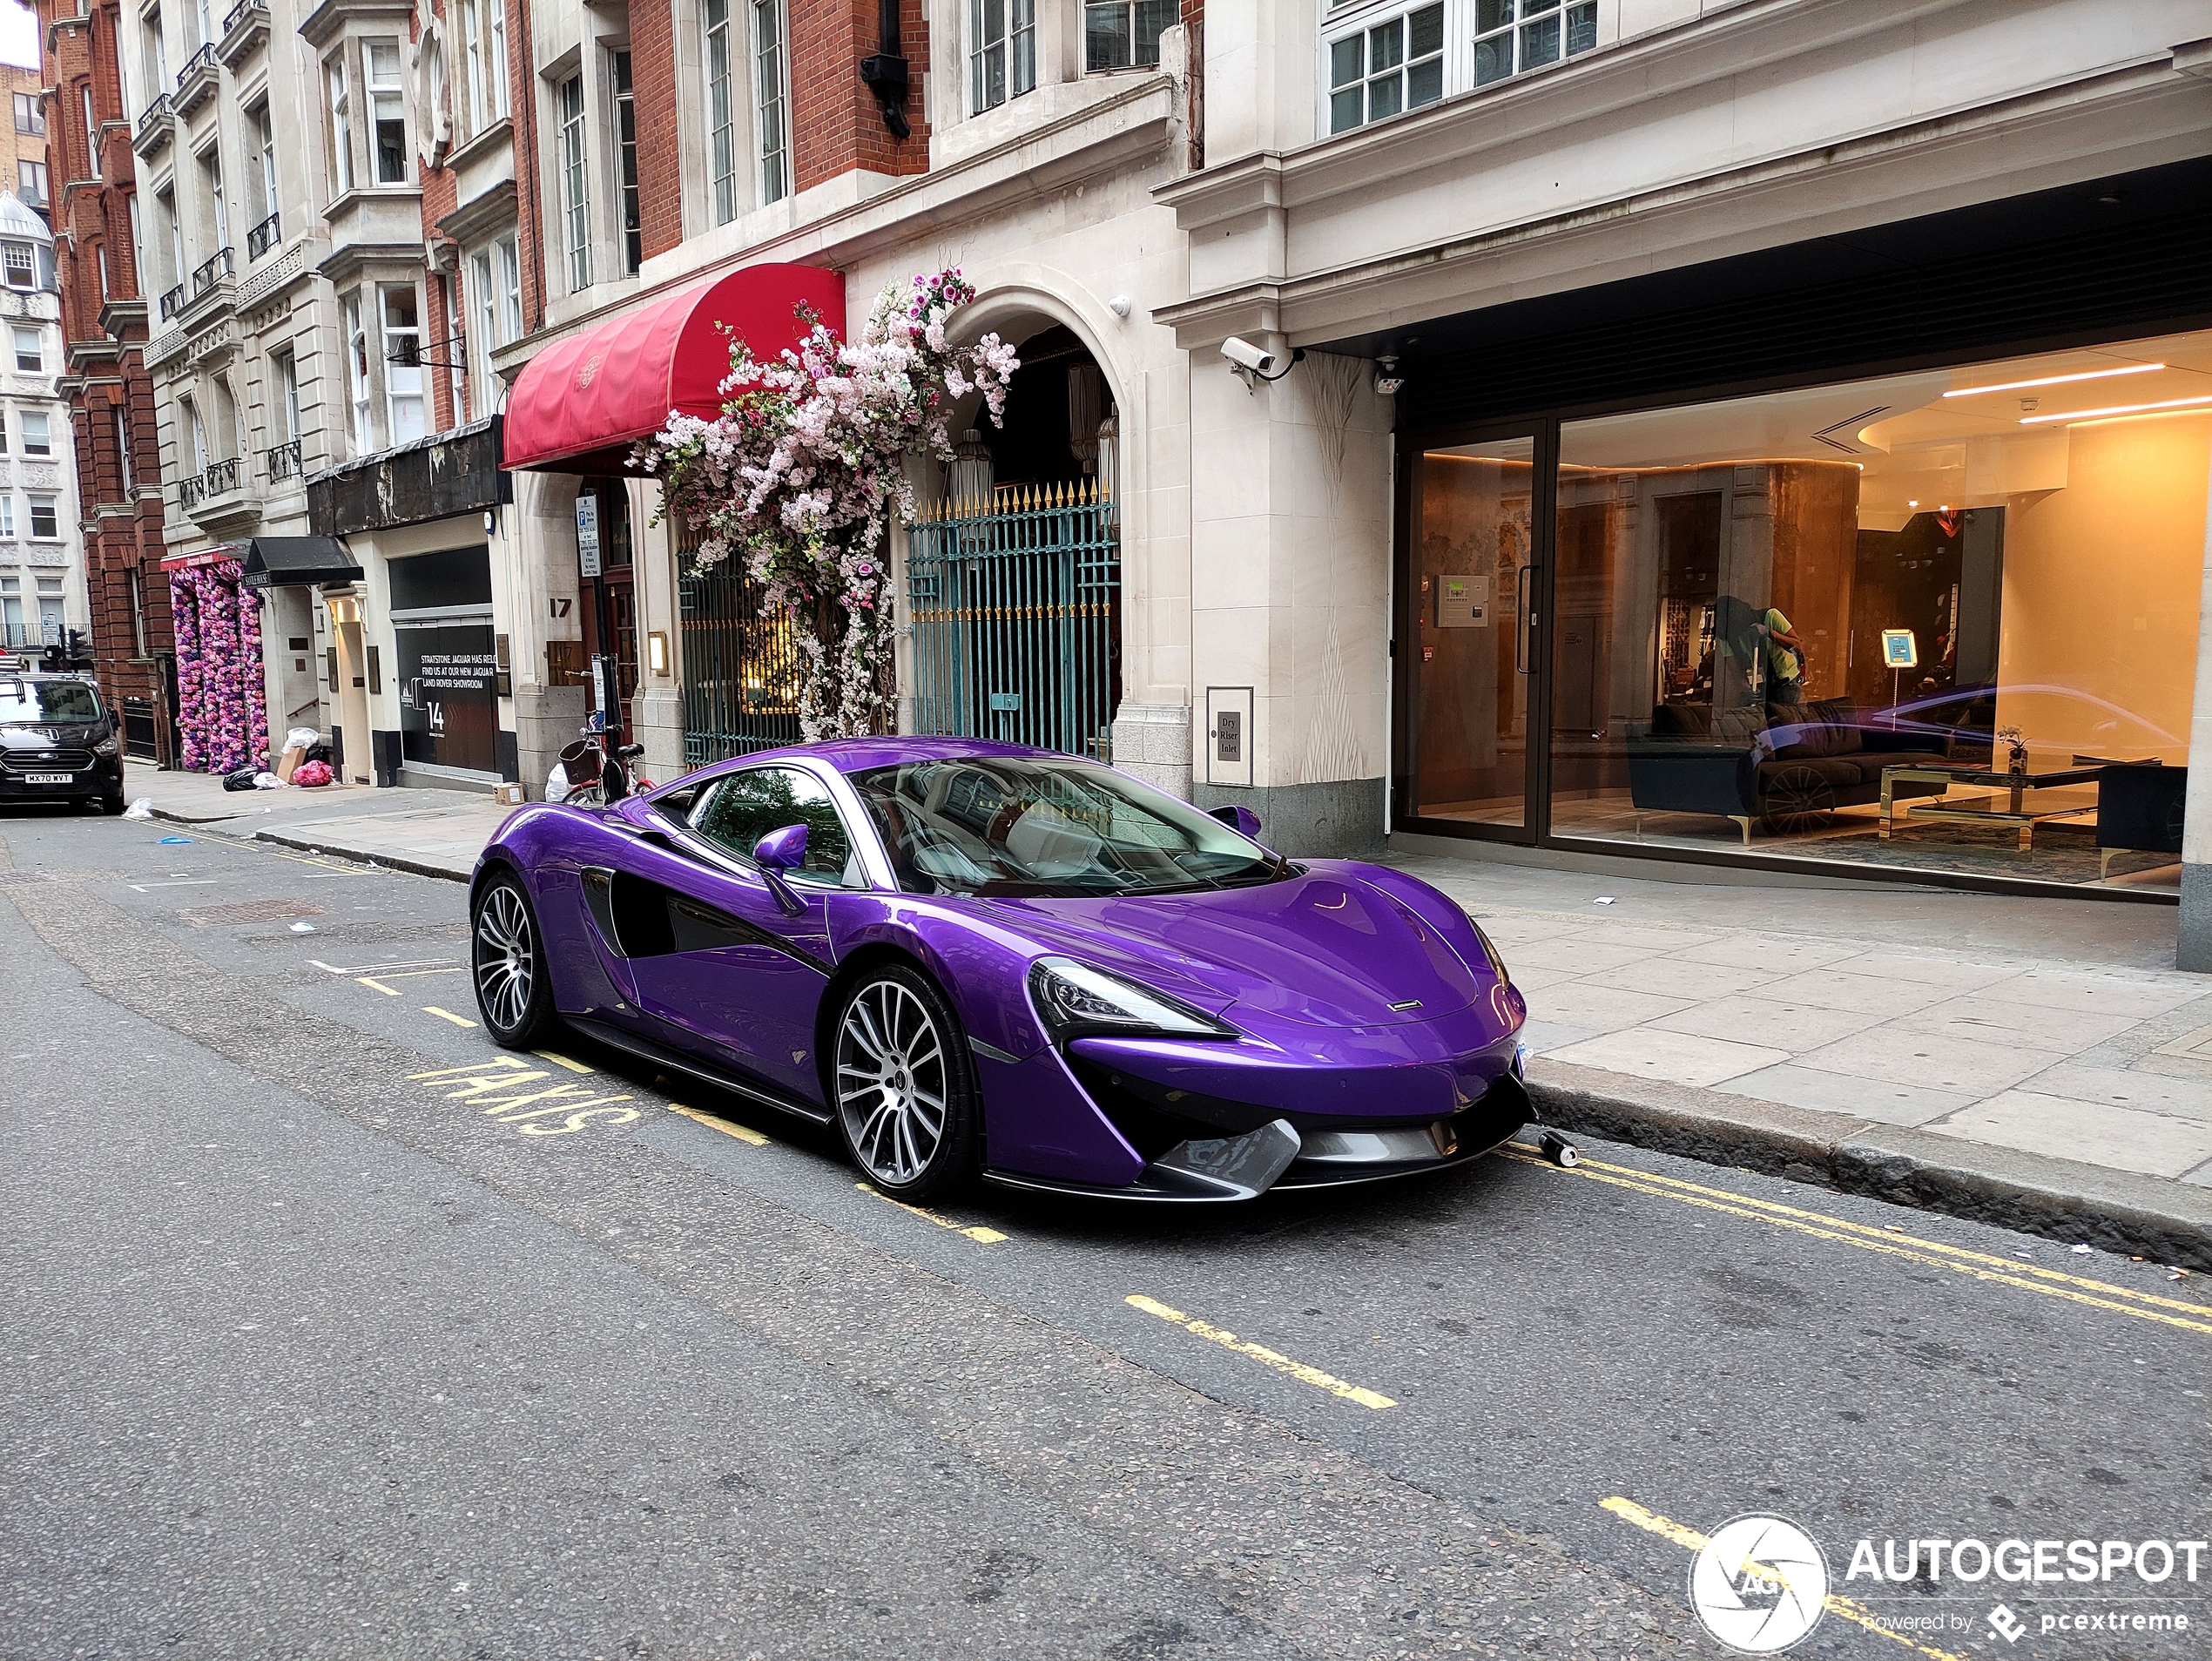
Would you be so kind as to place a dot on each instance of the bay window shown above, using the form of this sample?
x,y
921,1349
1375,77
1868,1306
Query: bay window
x,y
387,111
402,359
341,123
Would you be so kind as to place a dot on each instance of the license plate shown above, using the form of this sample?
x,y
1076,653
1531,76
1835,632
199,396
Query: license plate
x,y
49,778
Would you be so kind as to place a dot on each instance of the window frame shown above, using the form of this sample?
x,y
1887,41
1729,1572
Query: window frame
x,y
379,91
26,109
91,134
1463,37
571,164
7,517
1015,45
17,331
338,104
718,66
771,83
405,383
1130,10
45,449
53,513
359,389
628,206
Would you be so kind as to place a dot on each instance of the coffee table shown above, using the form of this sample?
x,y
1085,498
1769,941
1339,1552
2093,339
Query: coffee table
x,y
2015,784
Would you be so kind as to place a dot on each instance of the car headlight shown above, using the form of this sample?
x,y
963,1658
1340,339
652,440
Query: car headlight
x,y
1490,950
1075,1001
108,746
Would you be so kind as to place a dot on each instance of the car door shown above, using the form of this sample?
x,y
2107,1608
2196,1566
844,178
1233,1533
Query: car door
x,y
720,962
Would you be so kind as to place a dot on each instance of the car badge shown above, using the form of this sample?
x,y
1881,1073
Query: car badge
x,y
1446,1137
1410,1004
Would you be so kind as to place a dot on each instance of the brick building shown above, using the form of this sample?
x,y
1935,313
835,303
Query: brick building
x,y
118,500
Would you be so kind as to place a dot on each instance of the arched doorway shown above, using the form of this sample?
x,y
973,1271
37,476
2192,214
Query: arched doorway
x,y
1013,572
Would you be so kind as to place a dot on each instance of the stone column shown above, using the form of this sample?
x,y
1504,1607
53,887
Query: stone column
x,y
2195,932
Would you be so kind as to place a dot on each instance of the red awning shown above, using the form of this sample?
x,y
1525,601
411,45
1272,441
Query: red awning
x,y
580,405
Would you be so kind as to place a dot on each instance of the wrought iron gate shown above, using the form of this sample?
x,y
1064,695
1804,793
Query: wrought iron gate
x,y
1013,605
740,664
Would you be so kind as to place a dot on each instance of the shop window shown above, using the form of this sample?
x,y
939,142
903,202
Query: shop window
x,y
387,112
771,99
1124,34
1511,35
1883,623
45,517
1001,52
576,219
38,436
721,112
1384,68
30,350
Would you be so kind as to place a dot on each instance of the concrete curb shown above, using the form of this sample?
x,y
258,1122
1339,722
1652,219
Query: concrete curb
x,y
2061,1200
382,861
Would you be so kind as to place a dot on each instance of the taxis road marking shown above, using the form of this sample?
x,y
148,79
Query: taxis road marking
x,y
496,1088
1281,1363
744,1133
560,1061
1977,1266
448,1014
976,1232
1842,1608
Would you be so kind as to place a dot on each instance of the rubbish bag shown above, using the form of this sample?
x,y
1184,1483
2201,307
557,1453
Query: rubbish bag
x,y
317,753
240,779
142,808
557,783
299,738
312,774
267,781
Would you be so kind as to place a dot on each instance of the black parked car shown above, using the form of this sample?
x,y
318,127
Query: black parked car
x,y
58,742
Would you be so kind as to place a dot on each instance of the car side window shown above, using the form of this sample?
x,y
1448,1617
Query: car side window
x,y
746,806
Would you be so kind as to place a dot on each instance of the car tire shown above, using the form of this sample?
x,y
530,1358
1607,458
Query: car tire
x,y
902,1087
507,965
111,805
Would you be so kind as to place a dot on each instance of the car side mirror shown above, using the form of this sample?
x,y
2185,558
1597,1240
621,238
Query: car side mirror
x,y
777,853
1243,820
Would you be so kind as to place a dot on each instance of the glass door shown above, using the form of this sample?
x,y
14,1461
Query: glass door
x,y
1474,585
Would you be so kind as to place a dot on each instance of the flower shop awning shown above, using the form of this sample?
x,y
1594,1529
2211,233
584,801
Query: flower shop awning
x,y
281,562
580,405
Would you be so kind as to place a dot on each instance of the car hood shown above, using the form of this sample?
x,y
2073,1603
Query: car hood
x,y
47,734
1325,950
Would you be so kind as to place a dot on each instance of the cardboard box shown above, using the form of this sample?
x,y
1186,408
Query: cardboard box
x,y
291,759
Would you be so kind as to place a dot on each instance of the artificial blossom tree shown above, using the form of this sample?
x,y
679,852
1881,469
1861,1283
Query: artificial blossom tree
x,y
800,475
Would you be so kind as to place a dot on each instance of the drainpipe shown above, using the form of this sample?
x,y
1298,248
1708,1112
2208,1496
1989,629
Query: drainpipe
x,y
886,72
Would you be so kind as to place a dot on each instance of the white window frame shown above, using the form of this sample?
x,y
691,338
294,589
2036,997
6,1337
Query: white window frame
x,y
769,38
44,445
717,61
1001,52
383,92
572,161
18,334
358,379
1468,50
338,100
8,524
31,499
122,453
509,254
484,303
92,135
483,41
1129,8
629,199
18,260
406,394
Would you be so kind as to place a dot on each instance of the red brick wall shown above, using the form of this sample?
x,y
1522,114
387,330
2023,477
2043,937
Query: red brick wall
x,y
126,537
836,122
530,208
652,72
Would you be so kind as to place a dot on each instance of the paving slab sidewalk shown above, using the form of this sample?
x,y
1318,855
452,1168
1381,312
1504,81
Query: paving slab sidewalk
x,y
2034,1062
430,832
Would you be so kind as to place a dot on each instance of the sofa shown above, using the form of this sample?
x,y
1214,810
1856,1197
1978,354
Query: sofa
x,y
2139,810
1788,766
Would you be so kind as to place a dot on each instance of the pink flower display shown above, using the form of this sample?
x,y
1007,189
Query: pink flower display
x,y
222,700
802,472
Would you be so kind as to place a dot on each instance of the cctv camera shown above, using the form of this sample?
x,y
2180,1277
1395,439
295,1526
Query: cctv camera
x,y
1248,359
1388,379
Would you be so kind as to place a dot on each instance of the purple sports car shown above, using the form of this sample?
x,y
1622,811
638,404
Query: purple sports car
x,y
978,959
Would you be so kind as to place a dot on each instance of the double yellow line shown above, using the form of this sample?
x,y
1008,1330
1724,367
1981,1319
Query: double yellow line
x,y
1977,1266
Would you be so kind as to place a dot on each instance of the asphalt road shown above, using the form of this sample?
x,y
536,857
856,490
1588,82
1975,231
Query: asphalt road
x,y
305,1353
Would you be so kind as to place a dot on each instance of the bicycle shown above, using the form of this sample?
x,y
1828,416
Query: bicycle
x,y
595,774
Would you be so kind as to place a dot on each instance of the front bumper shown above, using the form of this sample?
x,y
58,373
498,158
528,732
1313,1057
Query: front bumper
x,y
1193,1120
102,779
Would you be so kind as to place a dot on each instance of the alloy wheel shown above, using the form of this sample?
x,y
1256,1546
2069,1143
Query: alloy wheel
x,y
505,957
892,1081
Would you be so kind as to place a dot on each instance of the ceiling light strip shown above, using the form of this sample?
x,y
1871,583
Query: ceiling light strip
x,y
2055,380
2116,409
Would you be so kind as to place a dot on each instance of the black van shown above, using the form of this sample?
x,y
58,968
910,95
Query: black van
x,y
58,742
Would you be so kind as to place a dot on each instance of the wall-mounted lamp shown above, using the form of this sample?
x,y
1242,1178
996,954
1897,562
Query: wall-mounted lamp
x,y
657,652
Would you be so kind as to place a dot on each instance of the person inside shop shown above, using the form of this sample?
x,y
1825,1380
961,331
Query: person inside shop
x,y
1785,660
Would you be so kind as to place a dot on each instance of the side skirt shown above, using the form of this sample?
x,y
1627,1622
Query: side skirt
x,y
675,1061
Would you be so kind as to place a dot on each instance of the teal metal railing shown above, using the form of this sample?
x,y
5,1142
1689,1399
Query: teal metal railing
x,y
1014,606
740,664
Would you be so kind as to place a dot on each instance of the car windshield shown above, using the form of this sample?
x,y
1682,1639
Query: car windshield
x,y
1047,826
48,700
